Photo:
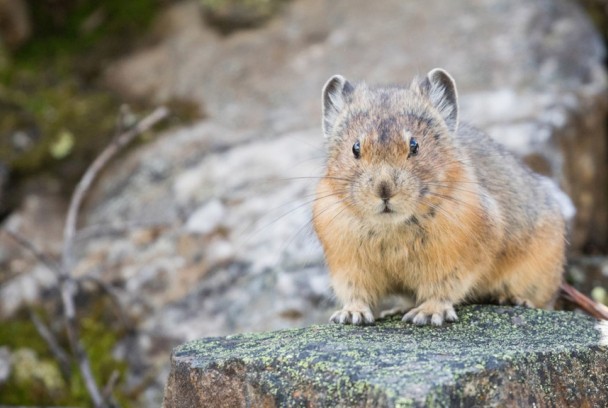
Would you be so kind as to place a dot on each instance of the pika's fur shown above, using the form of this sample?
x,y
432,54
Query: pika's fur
x,y
416,203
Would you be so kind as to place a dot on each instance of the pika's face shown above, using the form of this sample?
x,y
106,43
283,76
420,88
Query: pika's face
x,y
391,152
388,163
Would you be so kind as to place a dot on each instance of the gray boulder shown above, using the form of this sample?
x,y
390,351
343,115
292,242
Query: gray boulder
x,y
230,196
529,72
494,356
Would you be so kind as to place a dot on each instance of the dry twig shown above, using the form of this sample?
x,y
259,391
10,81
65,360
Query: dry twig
x,y
114,296
595,309
44,259
67,284
109,388
47,335
89,176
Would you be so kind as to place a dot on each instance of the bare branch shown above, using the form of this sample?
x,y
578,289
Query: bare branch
x,y
113,294
44,259
595,309
68,291
109,388
91,173
62,357
67,283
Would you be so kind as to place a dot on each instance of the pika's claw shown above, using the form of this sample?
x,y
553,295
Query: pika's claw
x,y
431,312
357,318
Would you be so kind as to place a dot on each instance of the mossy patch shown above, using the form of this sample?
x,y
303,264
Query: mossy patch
x,y
55,113
50,88
88,29
44,115
43,383
397,364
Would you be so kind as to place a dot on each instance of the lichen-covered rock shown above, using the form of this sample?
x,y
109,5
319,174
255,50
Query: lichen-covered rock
x,y
494,356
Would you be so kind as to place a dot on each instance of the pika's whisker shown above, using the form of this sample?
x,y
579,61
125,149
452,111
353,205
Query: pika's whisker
x,y
333,204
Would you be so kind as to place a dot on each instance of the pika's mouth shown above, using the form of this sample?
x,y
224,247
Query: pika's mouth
x,y
387,210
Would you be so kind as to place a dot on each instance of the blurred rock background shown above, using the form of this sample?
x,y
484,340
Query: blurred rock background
x,y
203,228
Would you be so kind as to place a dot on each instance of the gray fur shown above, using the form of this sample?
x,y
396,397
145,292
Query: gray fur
x,y
334,92
441,90
461,219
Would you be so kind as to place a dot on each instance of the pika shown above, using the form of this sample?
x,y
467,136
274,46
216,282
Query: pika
x,y
416,203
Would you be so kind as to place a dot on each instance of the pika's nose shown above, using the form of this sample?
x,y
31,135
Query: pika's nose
x,y
384,191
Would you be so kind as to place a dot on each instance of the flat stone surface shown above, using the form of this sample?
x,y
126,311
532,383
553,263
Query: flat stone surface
x,y
494,356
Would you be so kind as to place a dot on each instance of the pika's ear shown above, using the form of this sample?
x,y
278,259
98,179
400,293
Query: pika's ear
x,y
440,87
335,91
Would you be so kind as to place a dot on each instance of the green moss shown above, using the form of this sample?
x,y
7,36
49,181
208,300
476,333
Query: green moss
x,y
44,385
50,87
21,332
50,112
84,28
99,342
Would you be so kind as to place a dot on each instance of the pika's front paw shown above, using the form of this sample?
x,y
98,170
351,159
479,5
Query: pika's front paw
x,y
356,317
431,312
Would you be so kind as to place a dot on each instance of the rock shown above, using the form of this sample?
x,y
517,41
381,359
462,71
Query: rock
x,y
244,164
231,15
207,218
494,356
247,226
530,73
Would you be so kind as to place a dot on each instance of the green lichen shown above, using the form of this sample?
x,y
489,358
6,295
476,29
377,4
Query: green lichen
x,y
397,364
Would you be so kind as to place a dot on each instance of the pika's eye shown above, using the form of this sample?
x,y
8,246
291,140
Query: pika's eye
x,y
357,150
413,147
